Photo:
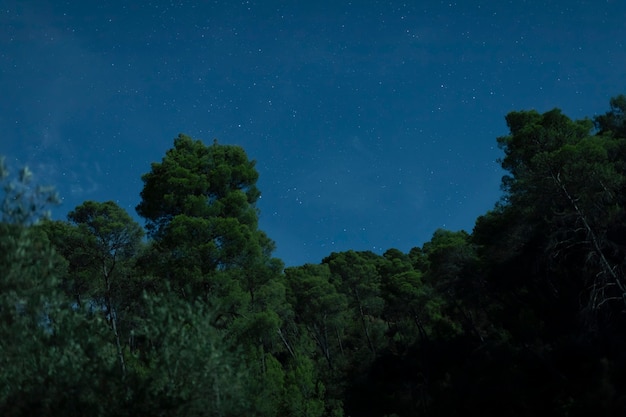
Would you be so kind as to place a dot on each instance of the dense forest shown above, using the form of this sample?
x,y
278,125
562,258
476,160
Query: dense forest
x,y
192,316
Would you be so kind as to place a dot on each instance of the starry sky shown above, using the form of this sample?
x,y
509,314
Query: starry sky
x,y
373,123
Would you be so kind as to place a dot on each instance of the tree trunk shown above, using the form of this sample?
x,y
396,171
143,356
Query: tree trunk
x,y
607,270
111,316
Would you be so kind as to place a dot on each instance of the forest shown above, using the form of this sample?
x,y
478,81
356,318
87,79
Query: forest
x,y
191,315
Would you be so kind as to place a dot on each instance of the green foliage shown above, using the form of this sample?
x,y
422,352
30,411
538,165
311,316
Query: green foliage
x,y
28,300
21,202
196,180
267,387
199,204
99,242
117,235
318,307
613,123
201,320
533,136
182,365
51,361
304,394
78,249
565,186
355,275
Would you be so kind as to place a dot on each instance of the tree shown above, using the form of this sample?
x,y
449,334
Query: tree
x,y
117,234
552,260
319,307
316,374
77,248
51,356
200,181
183,365
304,393
564,183
355,275
199,206
99,242
613,122
116,238
22,203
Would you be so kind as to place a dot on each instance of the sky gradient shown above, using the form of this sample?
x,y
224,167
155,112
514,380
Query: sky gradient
x,y
372,123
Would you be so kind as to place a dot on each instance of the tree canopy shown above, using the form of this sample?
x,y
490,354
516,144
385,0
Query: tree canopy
x,y
522,316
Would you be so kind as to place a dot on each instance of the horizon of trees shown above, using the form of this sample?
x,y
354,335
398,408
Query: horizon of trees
x,y
194,316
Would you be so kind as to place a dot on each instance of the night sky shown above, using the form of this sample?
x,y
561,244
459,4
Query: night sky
x,y
372,123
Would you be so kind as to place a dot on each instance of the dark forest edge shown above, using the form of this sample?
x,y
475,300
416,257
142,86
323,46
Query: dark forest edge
x,y
524,316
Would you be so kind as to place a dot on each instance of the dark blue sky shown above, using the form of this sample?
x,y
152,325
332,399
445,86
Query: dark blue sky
x,y
372,123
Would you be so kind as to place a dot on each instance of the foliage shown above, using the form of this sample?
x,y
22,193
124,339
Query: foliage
x,y
199,181
199,206
523,316
51,361
21,203
183,366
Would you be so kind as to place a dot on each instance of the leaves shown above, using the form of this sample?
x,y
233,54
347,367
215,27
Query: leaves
x,y
23,203
201,320
183,364
199,181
